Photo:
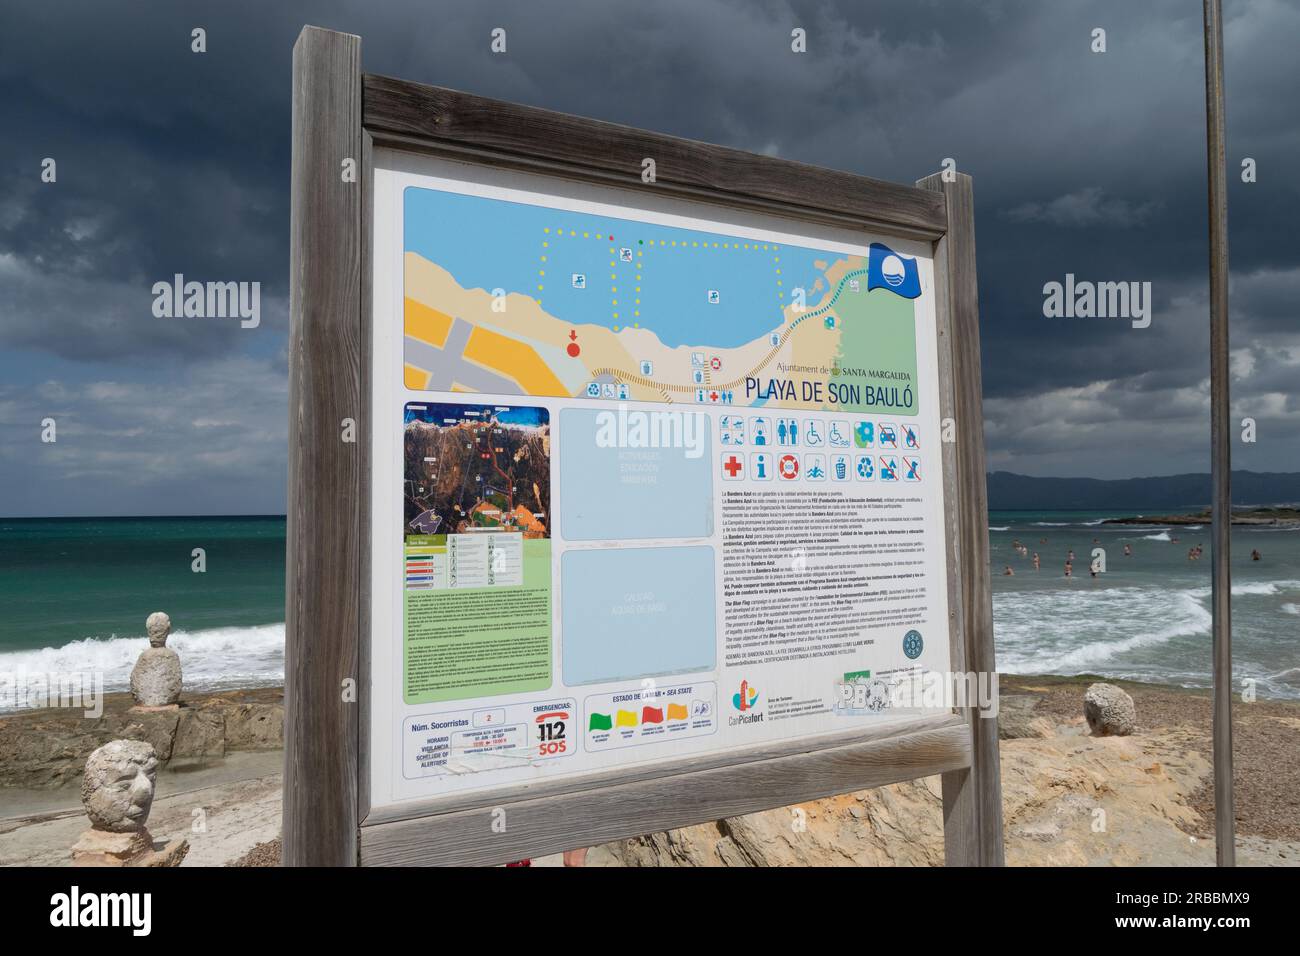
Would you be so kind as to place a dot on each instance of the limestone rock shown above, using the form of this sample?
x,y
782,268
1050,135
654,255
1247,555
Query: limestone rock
x,y
1067,801
156,677
154,726
170,855
158,626
1109,710
46,748
200,734
102,848
255,727
1017,719
898,825
118,785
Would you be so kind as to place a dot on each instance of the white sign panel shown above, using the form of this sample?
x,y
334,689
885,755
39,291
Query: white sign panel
x,y
651,479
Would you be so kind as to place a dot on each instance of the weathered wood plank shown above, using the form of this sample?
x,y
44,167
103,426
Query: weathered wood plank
x,y
960,828
972,798
322,548
535,827
755,753
414,116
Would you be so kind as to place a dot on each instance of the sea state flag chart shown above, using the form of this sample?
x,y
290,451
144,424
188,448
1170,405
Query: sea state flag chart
x,y
652,478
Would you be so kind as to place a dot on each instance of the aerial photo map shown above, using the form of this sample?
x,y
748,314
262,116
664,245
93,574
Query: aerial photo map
x,y
476,467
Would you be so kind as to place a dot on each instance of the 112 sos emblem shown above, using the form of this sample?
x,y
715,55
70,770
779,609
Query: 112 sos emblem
x,y
552,733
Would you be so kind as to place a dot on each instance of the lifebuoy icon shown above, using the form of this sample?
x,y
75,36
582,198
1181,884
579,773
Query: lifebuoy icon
x,y
789,467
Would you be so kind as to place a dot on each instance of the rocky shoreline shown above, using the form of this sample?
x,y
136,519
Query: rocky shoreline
x,y
1252,517
47,748
1069,797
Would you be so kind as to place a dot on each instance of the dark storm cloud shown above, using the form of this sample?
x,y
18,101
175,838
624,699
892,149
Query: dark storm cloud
x,y
1091,164
213,444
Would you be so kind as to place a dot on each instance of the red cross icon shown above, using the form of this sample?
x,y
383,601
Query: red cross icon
x,y
713,396
732,465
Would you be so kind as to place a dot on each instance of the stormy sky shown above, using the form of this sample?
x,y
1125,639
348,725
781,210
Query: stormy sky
x,y
1087,163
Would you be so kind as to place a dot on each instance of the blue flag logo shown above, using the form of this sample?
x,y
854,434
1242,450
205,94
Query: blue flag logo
x,y
886,269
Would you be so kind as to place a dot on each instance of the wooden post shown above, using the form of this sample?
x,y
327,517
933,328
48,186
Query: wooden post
x,y
972,798
1220,440
323,530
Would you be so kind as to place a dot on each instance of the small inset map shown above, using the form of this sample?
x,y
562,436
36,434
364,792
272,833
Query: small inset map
x,y
477,468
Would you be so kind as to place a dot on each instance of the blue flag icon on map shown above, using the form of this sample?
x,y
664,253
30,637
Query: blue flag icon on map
x,y
886,269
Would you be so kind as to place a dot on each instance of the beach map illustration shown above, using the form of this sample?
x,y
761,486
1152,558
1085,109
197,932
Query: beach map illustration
x,y
530,300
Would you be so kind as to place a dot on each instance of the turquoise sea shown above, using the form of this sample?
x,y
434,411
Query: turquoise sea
x,y
1148,616
76,592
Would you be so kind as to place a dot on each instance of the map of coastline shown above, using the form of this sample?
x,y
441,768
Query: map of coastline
x,y
521,299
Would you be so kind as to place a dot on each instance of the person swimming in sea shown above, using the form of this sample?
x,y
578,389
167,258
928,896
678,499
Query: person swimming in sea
x,y
1035,560
1128,550
1008,572
1255,555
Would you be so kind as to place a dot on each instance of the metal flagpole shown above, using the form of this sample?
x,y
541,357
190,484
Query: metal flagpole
x,y
1220,449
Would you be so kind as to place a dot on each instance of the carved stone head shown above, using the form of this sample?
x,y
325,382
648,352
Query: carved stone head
x,y
158,627
118,786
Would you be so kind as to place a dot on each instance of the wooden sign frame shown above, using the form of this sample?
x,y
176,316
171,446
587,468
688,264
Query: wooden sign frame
x,y
340,115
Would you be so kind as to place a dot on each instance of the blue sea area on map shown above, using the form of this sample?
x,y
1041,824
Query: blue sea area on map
x,y
491,243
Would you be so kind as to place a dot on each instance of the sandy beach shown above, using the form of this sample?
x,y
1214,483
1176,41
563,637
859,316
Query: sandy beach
x,y
1069,798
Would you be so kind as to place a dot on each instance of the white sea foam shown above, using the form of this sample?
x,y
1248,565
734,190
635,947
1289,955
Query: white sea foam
x,y
216,659
1071,631
991,528
1291,609
1162,536
1263,588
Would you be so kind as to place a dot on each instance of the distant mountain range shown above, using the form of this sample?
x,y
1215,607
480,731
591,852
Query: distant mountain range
x,y
1012,492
